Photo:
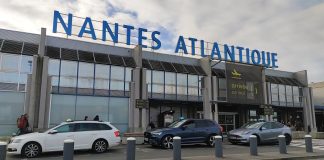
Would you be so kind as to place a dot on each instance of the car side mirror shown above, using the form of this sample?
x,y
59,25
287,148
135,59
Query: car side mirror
x,y
52,132
262,128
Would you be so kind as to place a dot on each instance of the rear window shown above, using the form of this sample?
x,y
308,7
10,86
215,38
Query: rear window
x,y
204,123
91,127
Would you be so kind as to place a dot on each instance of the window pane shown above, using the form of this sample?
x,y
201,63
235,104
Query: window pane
x,y
274,94
193,85
26,64
68,74
54,70
158,82
170,83
9,77
86,73
222,87
128,78
117,78
10,62
289,95
118,113
91,106
102,76
11,107
62,108
65,128
282,95
182,84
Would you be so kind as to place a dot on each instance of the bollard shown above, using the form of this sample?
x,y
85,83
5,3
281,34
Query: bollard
x,y
176,148
253,145
218,147
308,143
282,144
68,149
3,150
131,144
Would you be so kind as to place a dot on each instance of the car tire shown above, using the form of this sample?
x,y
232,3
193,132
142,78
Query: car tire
x,y
167,142
210,140
100,146
31,150
288,139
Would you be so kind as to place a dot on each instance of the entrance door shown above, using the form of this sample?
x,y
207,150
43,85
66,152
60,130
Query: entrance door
x,y
227,121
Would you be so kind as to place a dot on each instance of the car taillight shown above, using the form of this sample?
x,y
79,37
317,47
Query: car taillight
x,y
117,134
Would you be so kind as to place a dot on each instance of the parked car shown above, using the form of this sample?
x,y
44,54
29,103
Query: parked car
x,y
190,130
265,132
95,135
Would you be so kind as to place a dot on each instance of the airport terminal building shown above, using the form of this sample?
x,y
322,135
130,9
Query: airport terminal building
x,y
53,79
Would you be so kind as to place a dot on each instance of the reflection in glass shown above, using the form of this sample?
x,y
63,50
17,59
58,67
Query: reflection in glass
x,y
158,82
68,74
102,76
62,108
170,83
193,85
10,62
282,95
86,73
117,78
91,106
182,84
26,64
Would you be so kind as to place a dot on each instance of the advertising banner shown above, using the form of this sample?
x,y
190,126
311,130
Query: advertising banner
x,y
244,84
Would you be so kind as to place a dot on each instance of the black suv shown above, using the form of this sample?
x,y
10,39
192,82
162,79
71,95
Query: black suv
x,y
190,130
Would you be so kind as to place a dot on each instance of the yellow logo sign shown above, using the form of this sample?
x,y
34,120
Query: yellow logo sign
x,y
236,75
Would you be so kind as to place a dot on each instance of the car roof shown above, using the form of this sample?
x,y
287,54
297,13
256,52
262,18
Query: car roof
x,y
83,121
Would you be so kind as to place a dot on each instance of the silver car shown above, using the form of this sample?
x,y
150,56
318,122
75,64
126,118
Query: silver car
x,y
265,132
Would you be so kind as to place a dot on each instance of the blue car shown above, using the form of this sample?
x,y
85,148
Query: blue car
x,y
191,131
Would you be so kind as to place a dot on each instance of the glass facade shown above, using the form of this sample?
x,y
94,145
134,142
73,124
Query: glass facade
x,y
14,70
170,85
82,89
112,109
285,95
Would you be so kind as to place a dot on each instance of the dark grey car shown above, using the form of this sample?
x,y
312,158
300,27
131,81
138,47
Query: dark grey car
x,y
265,132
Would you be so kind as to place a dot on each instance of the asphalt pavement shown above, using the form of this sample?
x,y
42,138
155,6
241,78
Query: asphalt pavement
x,y
197,152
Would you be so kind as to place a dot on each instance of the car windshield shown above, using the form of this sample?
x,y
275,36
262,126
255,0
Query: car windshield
x,y
252,125
176,124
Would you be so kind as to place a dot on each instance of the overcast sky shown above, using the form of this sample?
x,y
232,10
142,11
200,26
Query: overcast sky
x,y
292,28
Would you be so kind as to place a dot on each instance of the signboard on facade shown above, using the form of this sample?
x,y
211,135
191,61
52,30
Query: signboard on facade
x,y
244,84
127,34
141,103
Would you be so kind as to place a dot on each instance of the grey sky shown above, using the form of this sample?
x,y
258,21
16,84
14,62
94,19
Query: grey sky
x,y
292,28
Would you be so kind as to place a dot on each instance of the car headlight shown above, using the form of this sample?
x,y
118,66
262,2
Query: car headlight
x,y
156,133
16,140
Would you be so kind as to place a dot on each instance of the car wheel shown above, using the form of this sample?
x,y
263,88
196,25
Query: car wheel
x,y
288,139
167,142
211,141
31,150
100,146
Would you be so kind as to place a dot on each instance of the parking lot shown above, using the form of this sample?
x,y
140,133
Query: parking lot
x,y
198,151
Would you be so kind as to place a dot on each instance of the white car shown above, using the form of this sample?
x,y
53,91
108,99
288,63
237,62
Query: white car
x,y
95,135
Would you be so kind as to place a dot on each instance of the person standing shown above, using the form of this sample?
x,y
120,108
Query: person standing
x,y
86,118
96,118
26,124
